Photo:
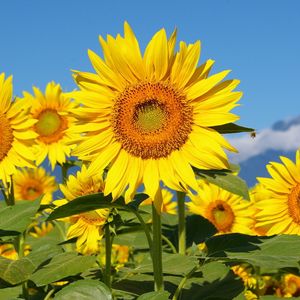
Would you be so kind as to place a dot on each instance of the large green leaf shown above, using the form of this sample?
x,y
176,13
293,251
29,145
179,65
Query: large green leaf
x,y
10,293
174,264
16,218
268,253
92,202
17,271
84,290
61,266
216,282
232,128
164,295
225,180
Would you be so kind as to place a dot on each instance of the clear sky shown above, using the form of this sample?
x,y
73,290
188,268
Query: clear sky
x,y
259,40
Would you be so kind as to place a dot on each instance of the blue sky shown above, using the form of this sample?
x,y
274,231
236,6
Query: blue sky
x,y
258,40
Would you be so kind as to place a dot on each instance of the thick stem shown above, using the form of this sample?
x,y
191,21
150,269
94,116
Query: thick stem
x,y
181,223
108,245
157,251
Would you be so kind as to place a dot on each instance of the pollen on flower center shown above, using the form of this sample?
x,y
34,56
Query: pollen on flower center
x,y
151,120
50,126
294,204
150,116
221,215
6,134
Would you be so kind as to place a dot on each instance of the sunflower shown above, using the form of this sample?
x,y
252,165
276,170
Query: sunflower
x,y
168,206
150,117
29,184
257,193
54,123
86,227
290,286
41,229
8,251
280,211
226,211
16,136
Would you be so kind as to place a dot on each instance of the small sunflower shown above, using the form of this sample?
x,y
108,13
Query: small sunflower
x,y
38,230
29,184
168,206
8,251
280,211
226,211
150,117
16,136
290,286
54,123
86,227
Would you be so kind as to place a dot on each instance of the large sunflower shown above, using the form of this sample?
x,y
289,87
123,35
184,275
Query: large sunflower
x,y
228,212
54,123
149,117
16,136
29,184
86,227
280,211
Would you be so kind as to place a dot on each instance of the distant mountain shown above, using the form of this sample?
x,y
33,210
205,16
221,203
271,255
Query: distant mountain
x,y
282,139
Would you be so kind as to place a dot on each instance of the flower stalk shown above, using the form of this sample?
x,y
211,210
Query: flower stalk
x,y
181,223
157,250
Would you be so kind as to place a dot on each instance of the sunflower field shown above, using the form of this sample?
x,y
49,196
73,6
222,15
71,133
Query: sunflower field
x,y
122,188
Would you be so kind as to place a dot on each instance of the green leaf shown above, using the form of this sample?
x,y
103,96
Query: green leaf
x,y
173,264
225,180
268,253
10,293
84,290
61,266
92,202
164,295
17,271
217,282
232,128
18,217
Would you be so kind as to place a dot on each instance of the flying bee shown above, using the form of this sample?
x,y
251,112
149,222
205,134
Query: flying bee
x,y
253,134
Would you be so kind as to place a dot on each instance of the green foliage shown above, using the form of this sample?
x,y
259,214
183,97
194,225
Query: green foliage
x,y
232,128
84,290
15,219
17,271
268,253
225,180
154,296
62,266
92,202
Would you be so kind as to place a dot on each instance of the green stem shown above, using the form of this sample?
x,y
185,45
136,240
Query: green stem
x,y
48,296
181,223
64,172
146,229
182,283
11,193
169,243
108,245
157,251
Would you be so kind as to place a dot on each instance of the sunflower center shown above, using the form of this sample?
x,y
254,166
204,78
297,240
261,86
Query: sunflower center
x,y
151,120
294,204
6,134
149,116
32,190
50,126
221,215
